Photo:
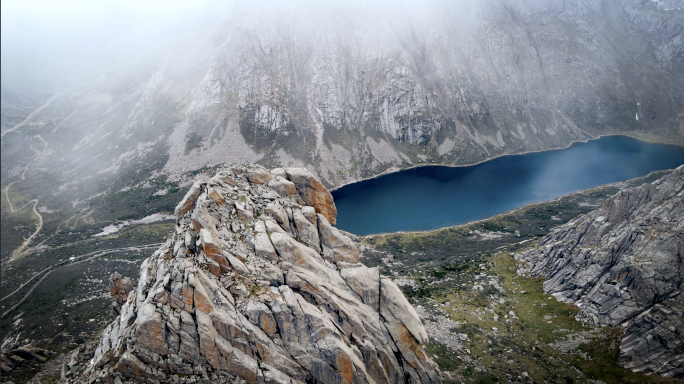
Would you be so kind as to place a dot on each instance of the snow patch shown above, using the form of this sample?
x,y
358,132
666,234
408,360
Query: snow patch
x,y
488,235
45,209
114,228
446,147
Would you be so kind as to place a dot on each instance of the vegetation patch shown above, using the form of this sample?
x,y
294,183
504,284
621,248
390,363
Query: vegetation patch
x,y
487,323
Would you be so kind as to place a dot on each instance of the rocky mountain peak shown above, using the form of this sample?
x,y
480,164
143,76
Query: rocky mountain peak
x,y
623,265
256,285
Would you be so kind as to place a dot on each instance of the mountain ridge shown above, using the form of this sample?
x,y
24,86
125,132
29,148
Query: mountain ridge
x,y
256,285
616,264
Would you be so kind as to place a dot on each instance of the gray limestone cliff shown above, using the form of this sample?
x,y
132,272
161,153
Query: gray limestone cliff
x,y
623,265
256,285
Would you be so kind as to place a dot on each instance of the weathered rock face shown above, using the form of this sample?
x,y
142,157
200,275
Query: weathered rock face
x,y
17,357
256,285
623,265
119,288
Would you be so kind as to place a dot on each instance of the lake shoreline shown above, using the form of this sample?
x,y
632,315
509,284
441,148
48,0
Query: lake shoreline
x,y
511,211
495,186
391,171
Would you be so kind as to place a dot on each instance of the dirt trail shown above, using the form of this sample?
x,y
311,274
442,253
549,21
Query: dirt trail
x,y
17,252
47,103
57,266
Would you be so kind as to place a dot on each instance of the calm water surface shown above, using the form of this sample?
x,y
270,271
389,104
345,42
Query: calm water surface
x,y
434,197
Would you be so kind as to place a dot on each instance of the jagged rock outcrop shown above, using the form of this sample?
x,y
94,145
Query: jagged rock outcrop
x,y
17,357
255,285
118,289
623,265
79,360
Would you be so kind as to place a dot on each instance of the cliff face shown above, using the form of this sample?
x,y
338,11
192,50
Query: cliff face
x,y
348,90
467,81
623,265
256,285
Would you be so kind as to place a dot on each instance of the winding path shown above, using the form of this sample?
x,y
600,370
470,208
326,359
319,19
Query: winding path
x,y
57,95
17,252
26,242
66,263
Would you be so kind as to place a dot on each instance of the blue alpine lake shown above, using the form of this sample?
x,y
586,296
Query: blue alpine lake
x,y
433,197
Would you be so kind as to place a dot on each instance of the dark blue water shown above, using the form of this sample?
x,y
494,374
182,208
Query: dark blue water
x,y
435,197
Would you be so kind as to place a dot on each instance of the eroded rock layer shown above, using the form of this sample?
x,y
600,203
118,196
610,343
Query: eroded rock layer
x,y
623,266
256,285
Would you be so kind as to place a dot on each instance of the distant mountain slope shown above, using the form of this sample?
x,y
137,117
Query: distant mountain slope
x,y
347,91
353,90
623,265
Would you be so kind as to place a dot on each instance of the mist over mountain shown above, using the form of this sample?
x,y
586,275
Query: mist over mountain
x,y
355,88
347,89
112,111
